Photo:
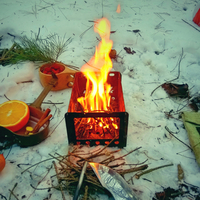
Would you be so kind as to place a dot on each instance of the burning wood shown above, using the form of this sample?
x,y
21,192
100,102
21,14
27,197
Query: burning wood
x,y
97,127
96,112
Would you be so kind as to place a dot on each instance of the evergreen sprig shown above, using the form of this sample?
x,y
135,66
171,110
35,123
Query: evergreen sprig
x,y
35,49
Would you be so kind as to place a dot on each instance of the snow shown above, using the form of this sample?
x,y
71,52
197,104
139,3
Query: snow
x,y
162,29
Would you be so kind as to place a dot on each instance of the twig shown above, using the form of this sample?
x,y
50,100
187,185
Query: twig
x,y
38,34
35,188
116,165
56,169
4,55
70,168
138,163
191,25
107,160
1,195
95,183
180,153
126,154
66,163
176,137
179,66
12,192
53,103
36,164
94,155
91,65
63,13
85,197
30,81
135,169
81,35
8,152
56,126
150,170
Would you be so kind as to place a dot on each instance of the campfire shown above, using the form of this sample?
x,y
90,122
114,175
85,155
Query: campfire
x,y
96,112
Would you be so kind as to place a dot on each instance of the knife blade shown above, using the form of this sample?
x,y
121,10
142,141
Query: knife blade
x,y
80,181
113,182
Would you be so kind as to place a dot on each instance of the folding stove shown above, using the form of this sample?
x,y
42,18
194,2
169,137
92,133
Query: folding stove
x,y
97,127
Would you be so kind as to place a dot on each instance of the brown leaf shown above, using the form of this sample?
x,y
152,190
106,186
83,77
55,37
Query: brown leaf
x,y
113,54
176,89
128,50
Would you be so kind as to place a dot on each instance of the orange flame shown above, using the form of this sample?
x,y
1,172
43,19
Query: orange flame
x,y
118,8
97,96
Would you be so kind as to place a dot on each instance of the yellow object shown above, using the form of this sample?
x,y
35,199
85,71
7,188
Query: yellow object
x,y
29,128
192,121
14,114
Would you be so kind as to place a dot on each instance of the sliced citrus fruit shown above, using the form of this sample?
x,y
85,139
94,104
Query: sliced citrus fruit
x,y
2,162
14,114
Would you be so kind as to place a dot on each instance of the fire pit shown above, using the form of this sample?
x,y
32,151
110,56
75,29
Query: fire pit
x,y
99,127
96,113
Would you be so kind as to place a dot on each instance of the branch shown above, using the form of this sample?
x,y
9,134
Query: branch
x,y
56,169
135,169
126,154
12,192
36,164
191,25
176,137
179,66
150,170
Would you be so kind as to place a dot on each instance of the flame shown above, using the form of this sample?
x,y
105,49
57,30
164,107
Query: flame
x,y
118,8
97,96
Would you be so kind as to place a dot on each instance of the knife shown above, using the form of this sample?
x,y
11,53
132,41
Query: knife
x,y
113,182
80,181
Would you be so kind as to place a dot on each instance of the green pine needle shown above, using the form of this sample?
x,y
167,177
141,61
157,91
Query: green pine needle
x,y
36,49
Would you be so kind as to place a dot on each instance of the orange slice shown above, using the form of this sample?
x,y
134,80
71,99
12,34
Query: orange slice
x,y
14,115
2,162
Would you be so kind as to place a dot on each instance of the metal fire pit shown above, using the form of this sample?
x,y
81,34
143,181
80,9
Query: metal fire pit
x,y
82,127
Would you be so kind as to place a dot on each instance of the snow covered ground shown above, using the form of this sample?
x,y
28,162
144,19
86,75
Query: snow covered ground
x,y
162,37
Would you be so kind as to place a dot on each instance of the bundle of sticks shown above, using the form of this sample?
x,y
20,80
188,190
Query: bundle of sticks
x,y
68,169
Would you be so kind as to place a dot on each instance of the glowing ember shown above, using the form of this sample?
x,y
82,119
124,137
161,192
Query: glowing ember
x,y
118,8
97,96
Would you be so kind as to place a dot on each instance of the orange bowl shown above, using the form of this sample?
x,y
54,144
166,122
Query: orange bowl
x,y
65,76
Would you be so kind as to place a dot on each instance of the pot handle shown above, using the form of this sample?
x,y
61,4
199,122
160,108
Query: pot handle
x,y
37,103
